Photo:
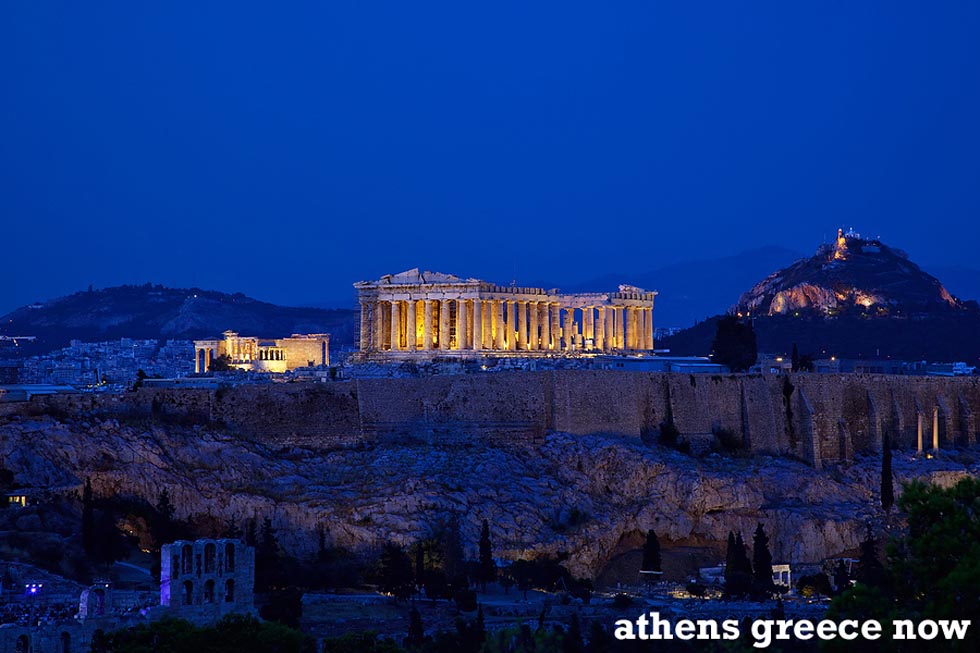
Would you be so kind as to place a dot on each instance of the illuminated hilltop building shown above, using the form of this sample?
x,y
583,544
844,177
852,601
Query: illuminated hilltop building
x,y
426,314
262,354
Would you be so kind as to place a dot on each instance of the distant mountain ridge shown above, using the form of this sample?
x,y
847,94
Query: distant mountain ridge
x,y
156,312
694,290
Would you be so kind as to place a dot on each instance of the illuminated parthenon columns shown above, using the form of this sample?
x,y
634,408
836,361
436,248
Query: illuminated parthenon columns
x,y
438,314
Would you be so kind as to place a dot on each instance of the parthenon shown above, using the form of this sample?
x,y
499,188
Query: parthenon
x,y
430,314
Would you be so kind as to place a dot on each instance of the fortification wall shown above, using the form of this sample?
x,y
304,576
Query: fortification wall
x,y
819,418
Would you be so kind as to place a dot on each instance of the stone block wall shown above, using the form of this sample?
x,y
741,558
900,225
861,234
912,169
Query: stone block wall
x,y
816,417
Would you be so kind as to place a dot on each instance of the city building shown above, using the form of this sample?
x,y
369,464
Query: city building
x,y
426,314
264,355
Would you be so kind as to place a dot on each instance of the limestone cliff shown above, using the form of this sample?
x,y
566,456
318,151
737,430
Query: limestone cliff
x,y
587,496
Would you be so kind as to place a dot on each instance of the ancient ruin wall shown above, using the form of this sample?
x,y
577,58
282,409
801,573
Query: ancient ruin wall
x,y
818,418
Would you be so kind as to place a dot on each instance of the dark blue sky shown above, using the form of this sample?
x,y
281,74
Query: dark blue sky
x,y
286,152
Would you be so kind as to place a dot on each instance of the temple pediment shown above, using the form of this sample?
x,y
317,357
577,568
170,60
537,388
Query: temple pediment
x,y
416,277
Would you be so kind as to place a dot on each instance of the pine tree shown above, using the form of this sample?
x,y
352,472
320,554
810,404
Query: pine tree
x,y
870,570
887,478
268,543
734,344
395,574
251,534
488,568
762,562
232,530
651,553
163,522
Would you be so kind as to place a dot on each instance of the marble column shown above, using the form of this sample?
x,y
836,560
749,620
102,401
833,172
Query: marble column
x,y
461,324
427,325
555,325
477,324
641,332
545,319
568,332
488,324
649,328
588,326
621,327
918,415
365,339
632,332
609,333
411,326
378,322
208,353
600,329
534,338
935,429
396,326
498,324
511,325
445,329
522,326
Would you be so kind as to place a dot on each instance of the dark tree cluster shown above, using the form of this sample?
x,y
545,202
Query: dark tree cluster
x,y
734,344
745,578
933,567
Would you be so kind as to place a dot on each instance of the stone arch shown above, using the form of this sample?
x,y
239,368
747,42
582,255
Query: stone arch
x,y
186,559
210,557
99,595
176,566
23,644
187,595
230,556
209,591
230,590
65,643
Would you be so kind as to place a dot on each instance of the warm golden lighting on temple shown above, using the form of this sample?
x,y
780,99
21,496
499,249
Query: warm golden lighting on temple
x,y
427,314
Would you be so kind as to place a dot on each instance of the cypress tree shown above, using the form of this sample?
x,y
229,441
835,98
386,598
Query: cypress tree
x,y
887,478
738,568
419,565
488,569
762,561
88,518
416,631
730,557
651,553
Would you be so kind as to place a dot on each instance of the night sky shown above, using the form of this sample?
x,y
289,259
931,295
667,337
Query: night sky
x,y
287,152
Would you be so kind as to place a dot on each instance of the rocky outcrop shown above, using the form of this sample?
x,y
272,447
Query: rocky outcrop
x,y
579,495
852,274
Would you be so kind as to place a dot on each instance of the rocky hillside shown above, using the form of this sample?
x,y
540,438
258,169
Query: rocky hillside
x,y
150,311
854,298
853,275
589,497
